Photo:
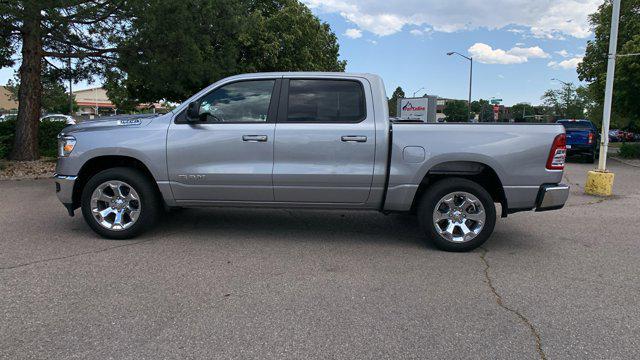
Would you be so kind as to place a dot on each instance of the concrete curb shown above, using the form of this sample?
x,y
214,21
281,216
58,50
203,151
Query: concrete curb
x,y
624,162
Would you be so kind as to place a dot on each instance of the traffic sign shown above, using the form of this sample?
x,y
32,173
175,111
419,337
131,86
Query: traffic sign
x,y
496,101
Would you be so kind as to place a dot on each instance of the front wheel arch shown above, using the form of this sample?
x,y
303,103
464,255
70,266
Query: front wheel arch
x,y
97,164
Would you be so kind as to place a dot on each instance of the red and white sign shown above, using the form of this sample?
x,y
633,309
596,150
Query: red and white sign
x,y
415,108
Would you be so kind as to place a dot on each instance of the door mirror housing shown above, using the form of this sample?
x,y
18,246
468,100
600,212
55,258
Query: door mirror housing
x,y
193,111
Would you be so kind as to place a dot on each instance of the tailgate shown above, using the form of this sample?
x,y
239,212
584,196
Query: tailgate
x,y
578,137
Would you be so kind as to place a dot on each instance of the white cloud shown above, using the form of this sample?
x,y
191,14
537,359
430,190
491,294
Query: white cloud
x,y
564,53
501,76
530,52
421,32
353,33
542,18
373,42
485,54
566,64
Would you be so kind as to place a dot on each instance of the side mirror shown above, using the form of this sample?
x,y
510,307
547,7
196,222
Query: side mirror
x,y
193,111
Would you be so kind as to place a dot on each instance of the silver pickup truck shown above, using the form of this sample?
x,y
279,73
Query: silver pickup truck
x,y
308,140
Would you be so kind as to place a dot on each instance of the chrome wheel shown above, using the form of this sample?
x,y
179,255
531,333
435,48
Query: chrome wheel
x,y
459,217
115,205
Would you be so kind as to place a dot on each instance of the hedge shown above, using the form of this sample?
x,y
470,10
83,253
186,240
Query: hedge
x,y
630,150
47,137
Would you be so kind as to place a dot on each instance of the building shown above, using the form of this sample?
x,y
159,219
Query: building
x,y
6,103
94,101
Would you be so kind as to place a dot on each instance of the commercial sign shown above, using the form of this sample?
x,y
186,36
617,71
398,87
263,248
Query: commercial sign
x,y
414,108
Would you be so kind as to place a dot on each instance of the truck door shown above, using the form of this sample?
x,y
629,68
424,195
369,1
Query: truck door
x,y
324,141
228,154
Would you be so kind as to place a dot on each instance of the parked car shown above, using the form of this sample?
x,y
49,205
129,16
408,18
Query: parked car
x,y
614,135
59,117
582,138
308,140
7,117
627,136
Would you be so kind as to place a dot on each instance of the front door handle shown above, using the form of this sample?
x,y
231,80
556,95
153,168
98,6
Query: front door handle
x,y
254,138
354,138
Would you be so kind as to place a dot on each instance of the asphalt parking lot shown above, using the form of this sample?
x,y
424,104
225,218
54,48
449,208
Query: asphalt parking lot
x,y
220,283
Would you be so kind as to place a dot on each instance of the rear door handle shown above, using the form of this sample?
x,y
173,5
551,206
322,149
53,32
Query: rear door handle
x,y
354,138
254,138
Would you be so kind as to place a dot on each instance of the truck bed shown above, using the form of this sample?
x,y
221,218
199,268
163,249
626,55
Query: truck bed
x,y
517,153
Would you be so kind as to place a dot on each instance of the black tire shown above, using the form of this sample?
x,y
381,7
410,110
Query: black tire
x,y
591,158
439,190
150,203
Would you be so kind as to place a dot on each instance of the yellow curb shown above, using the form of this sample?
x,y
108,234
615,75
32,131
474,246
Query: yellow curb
x,y
599,183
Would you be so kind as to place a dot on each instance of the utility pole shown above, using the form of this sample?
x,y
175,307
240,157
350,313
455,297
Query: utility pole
x,y
470,79
608,92
70,85
600,181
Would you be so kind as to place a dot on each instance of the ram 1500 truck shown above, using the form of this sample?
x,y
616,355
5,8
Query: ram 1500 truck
x,y
308,140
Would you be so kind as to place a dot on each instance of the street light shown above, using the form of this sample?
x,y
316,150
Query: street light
x,y
414,93
470,79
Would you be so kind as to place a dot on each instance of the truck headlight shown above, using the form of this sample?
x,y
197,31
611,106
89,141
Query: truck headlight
x,y
66,143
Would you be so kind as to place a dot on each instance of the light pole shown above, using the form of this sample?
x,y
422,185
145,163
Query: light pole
x,y
470,79
415,92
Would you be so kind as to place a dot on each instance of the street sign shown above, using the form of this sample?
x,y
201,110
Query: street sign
x,y
496,101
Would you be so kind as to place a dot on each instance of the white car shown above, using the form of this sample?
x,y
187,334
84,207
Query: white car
x,y
59,117
7,117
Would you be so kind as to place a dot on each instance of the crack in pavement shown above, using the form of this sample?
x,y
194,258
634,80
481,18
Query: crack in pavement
x,y
87,252
73,255
500,303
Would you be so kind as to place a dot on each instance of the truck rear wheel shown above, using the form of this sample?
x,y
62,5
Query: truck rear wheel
x,y
457,214
120,203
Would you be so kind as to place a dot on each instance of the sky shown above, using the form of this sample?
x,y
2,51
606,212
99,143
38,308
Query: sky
x,y
518,46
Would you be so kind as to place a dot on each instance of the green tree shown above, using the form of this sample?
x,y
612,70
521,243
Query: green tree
x,y
398,93
55,98
593,69
565,103
522,112
456,111
180,47
483,109
46,32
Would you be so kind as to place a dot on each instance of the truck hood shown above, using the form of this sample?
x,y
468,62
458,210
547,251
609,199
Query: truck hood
x,y
112,122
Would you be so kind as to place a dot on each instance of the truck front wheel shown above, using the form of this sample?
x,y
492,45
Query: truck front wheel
x,y
457,214
120,203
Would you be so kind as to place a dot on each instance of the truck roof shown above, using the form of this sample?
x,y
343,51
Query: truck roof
x,y
303,74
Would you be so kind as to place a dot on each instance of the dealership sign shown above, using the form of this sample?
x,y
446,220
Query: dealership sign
x,y
415,108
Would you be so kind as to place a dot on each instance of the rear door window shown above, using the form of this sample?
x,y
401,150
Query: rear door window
x,y
325,101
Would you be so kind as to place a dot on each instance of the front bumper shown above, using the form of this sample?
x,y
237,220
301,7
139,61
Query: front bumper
x,y
64,190
552,197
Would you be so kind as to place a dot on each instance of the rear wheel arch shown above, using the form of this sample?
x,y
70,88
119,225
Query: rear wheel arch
x,y
475,171
97,164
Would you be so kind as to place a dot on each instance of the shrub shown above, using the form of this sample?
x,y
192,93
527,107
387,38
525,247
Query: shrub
x,y
47,137
630,150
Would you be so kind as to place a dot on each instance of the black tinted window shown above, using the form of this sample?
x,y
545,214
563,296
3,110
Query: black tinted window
x,y
245,101
331,101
